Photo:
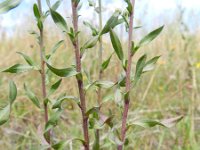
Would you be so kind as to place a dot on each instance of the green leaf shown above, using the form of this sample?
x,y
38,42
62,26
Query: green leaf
x,y
60,145
40,24
106,63
90,43
147,123
150,37
58,103
111,23
56,5
139,67
4,114
118,97
56,46
32,96
104,84
114,137
12,92
55,86
18,68
54,49
92,111
7,5
116,44
59,20
93,29
129,7
53,120
27,59
150,65
66,72
92,3
36,11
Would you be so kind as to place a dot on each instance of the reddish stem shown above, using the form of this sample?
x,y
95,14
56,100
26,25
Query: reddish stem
x,y
79,81
43,76
128,78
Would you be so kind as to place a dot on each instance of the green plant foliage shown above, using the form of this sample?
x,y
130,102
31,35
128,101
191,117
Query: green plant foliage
x,y
60,100
36,11
90,43
8,5
59,20
12,92
106,63
111,23
4,114
19,68
67,72
116,45
147,123
32,96
149,37
28,59
95,32
54,87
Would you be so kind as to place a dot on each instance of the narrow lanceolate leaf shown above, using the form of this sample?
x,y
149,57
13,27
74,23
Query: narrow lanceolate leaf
x,y
66,72
116,44
36,11
56,5
106,63
4,114
56,46
60,145
60,100
93,29
150,37
55,86
12,92
90,43
92,111
18,68
32,96
147,123
92,3
111,23
129,7
7,5
105,84
27,59
139,67
53,120
59,20
150,65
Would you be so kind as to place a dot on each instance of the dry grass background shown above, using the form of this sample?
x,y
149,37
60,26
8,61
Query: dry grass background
x,y
171,89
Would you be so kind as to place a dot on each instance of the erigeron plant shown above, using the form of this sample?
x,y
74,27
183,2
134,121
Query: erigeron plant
x,y
5,7
32,65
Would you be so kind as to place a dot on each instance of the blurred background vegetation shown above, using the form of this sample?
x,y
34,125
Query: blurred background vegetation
x,y
171,89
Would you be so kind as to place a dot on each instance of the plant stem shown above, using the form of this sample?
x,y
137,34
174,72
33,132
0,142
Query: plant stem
x,y
100,51
99,99
79,81
128,77
43,75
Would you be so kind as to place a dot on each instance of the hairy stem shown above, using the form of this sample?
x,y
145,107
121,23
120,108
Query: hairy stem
x,y
128,78
99,98
43,75
79,81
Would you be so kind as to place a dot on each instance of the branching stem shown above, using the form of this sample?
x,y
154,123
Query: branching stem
x,y
79,81
128,77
